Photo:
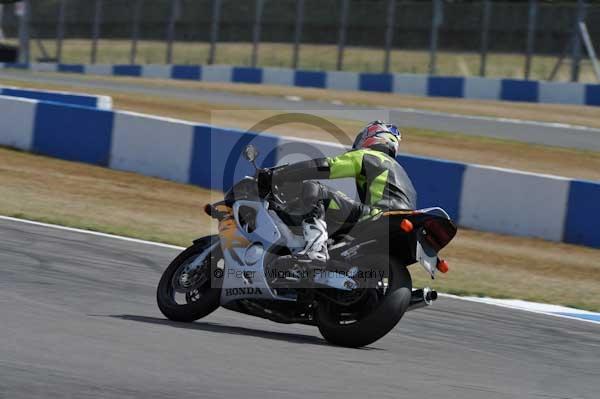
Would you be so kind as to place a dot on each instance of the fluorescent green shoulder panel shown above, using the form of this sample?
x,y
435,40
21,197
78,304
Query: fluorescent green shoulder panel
x,y
347,164
378,154
377,187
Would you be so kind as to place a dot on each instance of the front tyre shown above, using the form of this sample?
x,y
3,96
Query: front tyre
x,y
188,289
363,323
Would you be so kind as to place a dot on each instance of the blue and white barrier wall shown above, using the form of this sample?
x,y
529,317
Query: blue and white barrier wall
x,y
479,197
411,84
86,100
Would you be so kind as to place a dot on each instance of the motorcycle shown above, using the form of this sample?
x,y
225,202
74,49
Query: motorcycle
x,y
359,296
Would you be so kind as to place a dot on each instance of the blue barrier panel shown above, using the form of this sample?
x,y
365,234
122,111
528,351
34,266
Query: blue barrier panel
x,y
381,82
73,99
445,86
583,208
216,156
519,90
73,133
309,79
247,75
190,72
16,65
592,94
71,68
200,165
127,70
438,183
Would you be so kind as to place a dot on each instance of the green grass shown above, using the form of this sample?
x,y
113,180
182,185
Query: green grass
x,y
319,57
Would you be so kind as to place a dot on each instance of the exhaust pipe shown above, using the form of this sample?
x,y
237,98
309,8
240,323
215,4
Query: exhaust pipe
x,y
421,298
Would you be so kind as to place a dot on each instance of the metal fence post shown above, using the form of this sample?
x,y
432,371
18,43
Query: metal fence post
x,y
256,31
175,11
298,33
485,33
214,31
531,25
576,50
389,34
60,29
589,47
435,26
24,53
1,33
96,30
135,30
342,34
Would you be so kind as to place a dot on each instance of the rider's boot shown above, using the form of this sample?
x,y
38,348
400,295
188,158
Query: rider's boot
x,y
313,258
314,255
315,234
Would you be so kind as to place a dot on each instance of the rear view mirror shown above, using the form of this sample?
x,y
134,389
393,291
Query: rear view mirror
x,y
250,153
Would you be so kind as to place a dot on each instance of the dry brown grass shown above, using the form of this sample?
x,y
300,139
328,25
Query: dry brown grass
x,y
90,197
314,56
95,198
462,148
556,113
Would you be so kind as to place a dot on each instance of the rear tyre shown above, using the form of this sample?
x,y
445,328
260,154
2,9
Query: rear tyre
x,y
376,321
200,298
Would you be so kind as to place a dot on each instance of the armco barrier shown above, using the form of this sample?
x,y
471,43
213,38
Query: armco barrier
x,y
400,83
480,197
86,100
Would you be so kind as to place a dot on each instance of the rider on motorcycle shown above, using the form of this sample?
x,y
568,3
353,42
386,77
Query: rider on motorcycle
x,y
381,184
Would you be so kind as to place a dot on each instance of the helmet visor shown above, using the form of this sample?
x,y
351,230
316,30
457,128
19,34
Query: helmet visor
x,y
393,129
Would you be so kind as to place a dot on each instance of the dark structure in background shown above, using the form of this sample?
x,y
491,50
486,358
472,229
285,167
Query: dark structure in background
x,y
484,26
8,53
460,28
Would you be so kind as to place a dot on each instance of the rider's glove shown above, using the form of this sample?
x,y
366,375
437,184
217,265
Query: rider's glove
x,y
265,180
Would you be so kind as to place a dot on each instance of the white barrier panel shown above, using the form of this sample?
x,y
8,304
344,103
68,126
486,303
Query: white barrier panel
x,y
152,146
17,122
482,88
510,202
216,73
44,67
278,76
565,93
410,84
105,103
99,69
338,80
156,71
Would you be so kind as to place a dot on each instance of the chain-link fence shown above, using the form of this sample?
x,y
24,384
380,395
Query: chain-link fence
x,y
488,38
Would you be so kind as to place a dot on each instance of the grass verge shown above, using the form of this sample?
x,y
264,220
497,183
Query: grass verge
x,y
78,195
555,113
452,146
315,57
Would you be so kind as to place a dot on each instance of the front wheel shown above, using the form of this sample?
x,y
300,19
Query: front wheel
x,y
189,288
363,322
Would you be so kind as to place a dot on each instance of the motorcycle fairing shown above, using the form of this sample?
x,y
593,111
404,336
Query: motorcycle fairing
x,y
241,280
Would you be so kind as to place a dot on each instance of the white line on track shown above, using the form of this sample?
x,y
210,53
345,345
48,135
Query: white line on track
x,y
94,233
532,307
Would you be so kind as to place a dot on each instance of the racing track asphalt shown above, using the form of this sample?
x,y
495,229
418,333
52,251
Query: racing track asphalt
x,y
78,319
560,135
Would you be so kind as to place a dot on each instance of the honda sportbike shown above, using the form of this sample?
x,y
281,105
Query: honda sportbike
x,y
354,299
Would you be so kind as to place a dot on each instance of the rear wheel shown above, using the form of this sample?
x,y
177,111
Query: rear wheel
x,y
372,313
189,288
